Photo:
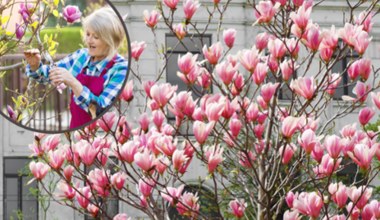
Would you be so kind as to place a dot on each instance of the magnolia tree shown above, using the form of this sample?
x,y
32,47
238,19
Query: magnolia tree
x,y
33,16
263,160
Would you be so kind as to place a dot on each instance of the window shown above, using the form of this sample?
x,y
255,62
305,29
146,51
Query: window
x,y
208,208
345,86
19,202
175,48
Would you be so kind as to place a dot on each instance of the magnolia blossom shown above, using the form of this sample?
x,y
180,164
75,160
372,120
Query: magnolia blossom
x,y
304,86
265,11
238,207
39,169
190,7
151,19
229,37
137,48
71,13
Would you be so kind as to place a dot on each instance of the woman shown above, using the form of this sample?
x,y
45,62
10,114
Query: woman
x,y
94,74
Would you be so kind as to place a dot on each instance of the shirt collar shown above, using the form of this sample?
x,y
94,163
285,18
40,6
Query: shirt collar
x,y
100,65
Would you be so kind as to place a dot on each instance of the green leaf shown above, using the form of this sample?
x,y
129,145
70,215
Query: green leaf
x,y
55,13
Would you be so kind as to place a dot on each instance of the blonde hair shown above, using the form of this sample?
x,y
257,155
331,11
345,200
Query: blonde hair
x,y
107,25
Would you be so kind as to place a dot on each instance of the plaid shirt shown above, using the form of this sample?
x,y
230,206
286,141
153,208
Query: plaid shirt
x,y
74,63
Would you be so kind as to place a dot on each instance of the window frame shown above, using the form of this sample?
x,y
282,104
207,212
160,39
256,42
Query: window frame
x,y
19,186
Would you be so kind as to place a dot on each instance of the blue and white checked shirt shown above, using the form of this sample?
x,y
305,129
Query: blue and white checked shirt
x,y
74,63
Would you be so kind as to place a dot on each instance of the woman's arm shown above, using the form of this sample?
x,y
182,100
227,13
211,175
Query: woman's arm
x,y
117,76
36,70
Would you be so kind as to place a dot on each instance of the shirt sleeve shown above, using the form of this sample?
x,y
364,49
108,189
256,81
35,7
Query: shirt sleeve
x,y
117,76
42,73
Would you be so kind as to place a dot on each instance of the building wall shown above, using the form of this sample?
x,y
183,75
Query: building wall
x,y
15,140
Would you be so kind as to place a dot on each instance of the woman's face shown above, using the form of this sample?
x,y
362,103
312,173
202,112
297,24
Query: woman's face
x,y
97,48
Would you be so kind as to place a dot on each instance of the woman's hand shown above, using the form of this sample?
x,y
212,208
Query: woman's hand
x,y
33,57
59,75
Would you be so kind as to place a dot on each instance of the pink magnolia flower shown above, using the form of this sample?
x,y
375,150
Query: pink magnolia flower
x,y
213,53
291,215
327,166
268,90
252,112
144,160
179,159
151,19
355,212
361,91
83,196
190,7
276,48
309,204
338,193
376,99
365,19
229,37
247,159
260,73
312,37
204,78
359,195
39,169
172,194
361,67
12,114
118,180
68,172
361,42
137,48
107,120
286,153
235,126
188,205
308,140
289,198
215,110
226,72
238,207
288,68
365,115
265,11
202,130
180,30
56,158
66,191
172,4
146,186
333,146
86,151
292,46
93,210
262,40
214,156
304,86
26,11
51,142
362,155
333,83
350,33
249,59
371,210
182,104
162,93
301,18
289,125
20,31
71,13
127,92
100,181
187,62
